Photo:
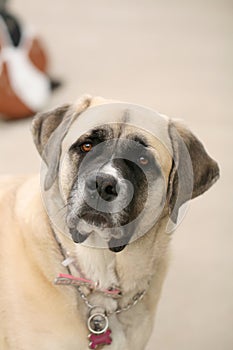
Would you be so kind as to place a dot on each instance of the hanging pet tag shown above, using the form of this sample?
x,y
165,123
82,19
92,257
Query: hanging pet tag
x,y
100,333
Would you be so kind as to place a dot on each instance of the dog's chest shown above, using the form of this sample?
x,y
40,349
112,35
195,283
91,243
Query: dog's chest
x,y
99,266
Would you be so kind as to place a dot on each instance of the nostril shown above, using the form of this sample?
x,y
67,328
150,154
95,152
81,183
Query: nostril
x,y
111,190
108,189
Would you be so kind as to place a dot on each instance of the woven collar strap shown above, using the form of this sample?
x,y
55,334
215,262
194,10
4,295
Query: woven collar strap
x,y
66,279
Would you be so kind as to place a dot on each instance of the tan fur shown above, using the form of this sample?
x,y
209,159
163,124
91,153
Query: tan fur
x,y
36,314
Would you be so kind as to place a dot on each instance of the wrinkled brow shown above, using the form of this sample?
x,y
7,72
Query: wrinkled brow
x,y
101,133
138,138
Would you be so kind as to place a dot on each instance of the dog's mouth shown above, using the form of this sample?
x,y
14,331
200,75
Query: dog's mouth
x,y
89,222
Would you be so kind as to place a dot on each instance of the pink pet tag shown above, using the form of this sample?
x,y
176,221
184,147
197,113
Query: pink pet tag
x,y
100,333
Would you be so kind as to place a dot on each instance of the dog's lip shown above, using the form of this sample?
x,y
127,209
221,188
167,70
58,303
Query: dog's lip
x,y
116,245
77,236
117,249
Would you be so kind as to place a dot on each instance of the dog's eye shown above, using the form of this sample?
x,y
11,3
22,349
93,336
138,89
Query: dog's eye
x,y
143,161
86,147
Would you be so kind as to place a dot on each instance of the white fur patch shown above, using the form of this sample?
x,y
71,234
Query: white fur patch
x,y
29,84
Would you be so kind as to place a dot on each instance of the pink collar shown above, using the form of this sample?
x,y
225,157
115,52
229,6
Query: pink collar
x,y
67,279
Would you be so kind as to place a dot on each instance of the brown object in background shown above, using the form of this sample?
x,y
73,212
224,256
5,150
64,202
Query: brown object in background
x,y
37,55
25,84
10,105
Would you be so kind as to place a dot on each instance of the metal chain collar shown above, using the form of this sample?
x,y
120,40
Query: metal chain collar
x,y
136,298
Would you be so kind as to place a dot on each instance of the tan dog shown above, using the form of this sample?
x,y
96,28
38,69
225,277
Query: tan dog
x,y
114,178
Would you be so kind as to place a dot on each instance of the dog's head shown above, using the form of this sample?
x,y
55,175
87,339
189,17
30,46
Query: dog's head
x,y
119,168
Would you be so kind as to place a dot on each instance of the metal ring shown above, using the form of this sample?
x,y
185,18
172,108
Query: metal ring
x,y
89,323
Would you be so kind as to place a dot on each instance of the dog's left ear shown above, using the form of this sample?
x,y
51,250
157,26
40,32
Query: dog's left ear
x,y
49,130
193,171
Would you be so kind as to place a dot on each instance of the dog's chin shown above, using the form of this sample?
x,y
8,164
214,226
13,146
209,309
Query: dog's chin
x,y
79,237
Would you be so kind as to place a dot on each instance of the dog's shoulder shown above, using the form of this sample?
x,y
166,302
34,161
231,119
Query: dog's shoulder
x,y
19,196
10,184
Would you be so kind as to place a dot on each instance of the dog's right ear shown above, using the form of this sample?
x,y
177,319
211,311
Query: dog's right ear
x,y
44,124
49,130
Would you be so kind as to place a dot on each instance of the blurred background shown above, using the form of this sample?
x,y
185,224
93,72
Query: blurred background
x,y
176,57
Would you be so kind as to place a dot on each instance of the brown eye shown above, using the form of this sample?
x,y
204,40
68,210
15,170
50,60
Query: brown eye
x,y
86,147
143,160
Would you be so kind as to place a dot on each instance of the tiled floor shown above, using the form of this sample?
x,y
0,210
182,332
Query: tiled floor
x,y
174,56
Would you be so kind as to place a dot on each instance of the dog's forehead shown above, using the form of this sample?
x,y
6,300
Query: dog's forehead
x,y
123,119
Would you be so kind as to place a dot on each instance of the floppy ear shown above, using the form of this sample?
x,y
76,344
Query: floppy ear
x,y
49,130
193,171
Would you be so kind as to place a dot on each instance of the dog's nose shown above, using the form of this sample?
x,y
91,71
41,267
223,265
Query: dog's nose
x,y
104,184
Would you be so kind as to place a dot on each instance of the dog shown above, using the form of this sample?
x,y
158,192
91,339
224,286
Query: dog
x,y
85,250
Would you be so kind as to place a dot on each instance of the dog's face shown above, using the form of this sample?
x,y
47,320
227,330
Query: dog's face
x,y
116,178
117,183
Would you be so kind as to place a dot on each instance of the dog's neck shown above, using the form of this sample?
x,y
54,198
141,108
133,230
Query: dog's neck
x,y
131,270
97,264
